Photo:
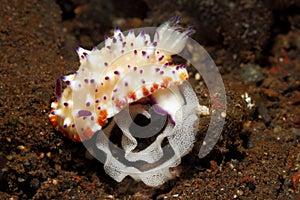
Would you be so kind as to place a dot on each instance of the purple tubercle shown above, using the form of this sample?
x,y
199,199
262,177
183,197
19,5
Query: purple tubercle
x,y
135,52
66,104
178,29
142,33
143,53
86,80
77,48
116,72
87,104
106,37
106,78
84,113
117,28
160,58
58,88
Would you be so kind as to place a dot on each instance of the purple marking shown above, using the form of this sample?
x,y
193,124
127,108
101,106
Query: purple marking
x,y
96,90
109,47
86,80
105,37
73,125
173,71
101,84
131,44
83,69
97,101
85,53
154,44
79,85
104,97
157,69
105,64
160,58
146,42
77,48
143,53
159,110
135,52
58,88
114,40
128,66
143,81
161,72
126,84
92,118
65,125
189,32
117,28
84,118
157,52
84,113
99,107
66,104
87,104
123,44
134,68
131,31
112,98
116,72
148,57
115,90
177,67
82,57
165,65
106,78
178,29
92,80
142,33
141,71
122,51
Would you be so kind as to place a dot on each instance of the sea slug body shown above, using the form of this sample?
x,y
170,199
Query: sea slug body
x,y
127,71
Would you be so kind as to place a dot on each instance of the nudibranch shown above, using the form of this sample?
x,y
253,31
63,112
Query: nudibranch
x,y
128,70
125,70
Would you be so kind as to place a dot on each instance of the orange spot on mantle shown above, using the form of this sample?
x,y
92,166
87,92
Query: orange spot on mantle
x,y
88,133
145,91
183,76
131,95
102,119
